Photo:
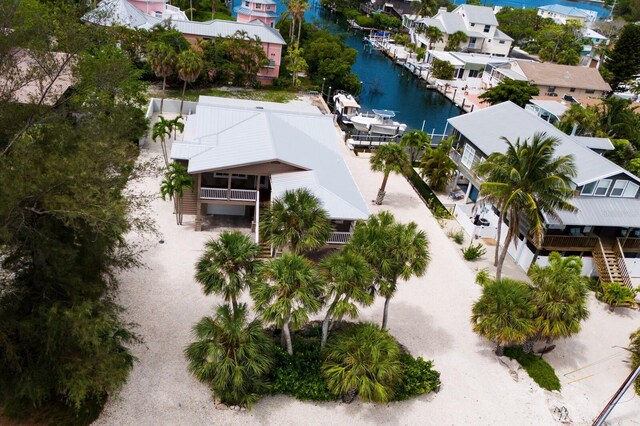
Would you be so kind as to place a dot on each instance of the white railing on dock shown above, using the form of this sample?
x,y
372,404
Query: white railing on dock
x,y
228,194
339,237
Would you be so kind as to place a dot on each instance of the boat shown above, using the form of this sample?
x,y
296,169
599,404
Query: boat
x,y
380,122
346,106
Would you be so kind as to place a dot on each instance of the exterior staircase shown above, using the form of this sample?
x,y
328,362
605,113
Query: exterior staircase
x,y
265,250
189,202
609,260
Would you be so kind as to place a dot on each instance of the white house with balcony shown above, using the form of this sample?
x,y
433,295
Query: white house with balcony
x,y
605,229
242,154
562,14
478,23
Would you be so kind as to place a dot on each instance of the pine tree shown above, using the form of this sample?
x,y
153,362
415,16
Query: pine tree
x,y
623,61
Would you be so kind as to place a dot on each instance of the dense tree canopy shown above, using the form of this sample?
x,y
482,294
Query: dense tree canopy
x,y
517,91
63,217
623,61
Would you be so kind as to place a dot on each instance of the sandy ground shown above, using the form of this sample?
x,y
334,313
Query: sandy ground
x,y
429,315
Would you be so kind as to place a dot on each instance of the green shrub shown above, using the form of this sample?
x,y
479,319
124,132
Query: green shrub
x,y
430,199
299,375
615,294
418,377
474,252
537,368
365,21
457,236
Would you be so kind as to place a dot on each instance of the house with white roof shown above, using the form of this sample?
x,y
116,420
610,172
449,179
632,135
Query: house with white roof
x,y
242,154
479,23
604,231
468,67
148,14
562,14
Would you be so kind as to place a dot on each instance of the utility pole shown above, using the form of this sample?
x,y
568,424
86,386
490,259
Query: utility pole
x,y
599,421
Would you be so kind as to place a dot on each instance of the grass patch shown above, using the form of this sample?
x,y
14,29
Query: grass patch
x,y
267,95
537,368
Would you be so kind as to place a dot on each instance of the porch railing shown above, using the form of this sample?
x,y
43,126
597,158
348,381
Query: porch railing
x,y
567,242
617,249
630,244
339,237
228,194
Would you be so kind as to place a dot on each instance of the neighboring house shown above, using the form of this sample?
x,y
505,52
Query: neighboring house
x,y
257,10
590,56
242,154
551,79
479,23
562,14
146,15
606,228
468,66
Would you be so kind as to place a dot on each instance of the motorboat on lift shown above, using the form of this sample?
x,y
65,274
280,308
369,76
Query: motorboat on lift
x,y
346,106
379,122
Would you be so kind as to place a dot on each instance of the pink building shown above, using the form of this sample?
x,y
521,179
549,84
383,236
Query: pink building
x,y
257,10
146,14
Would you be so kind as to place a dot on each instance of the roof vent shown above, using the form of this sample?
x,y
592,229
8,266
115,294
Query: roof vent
x,y
259,107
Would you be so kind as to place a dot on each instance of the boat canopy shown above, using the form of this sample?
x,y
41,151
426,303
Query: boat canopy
x,y
385,113
349,102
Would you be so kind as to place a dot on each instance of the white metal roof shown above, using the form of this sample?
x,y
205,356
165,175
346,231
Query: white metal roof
x,y
602,211
446,56
222,28
478,14
485,128
594,143
556,108
480,58
226,133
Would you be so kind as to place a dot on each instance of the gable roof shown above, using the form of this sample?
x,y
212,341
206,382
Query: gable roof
x,y
229,133
548,74
486,127
568,11
478,14
594,143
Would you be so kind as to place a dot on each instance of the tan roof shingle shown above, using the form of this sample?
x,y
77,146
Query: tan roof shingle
x,y
548,74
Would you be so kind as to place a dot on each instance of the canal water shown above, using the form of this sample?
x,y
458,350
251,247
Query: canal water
x,y
385,85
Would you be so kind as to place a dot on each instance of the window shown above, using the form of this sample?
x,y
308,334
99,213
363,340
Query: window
x,y
472,24
551,89
631,190
487,28
501,41
573,89
467,156
473,73
258,6
459,73
618,188
246,3
602,187
624,188
590,91
472,41
588,188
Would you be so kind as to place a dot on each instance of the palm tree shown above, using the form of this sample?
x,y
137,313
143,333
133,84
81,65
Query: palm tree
x,y
226,265
296,220
162,130
299,7
232,355
162,59
415,141
363,360
175,181
504,313
529,181
176,124
455,40
437,167
388,158
189,65
288,290
434,34
348,278
634,348
426,8
393,251
560,296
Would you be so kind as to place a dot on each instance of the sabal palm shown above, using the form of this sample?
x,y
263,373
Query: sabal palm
x,y
434,34
288,291
162,130
504,313
162,59
189,65
226,265
415,141
175,181
455,40
296,220
389,158
560,296
527,182
363,359
393,250
232,354
348,279
437,167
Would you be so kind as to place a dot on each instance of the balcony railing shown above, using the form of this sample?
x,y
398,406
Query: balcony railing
x,y
630,244
228,194
339,237
566,242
